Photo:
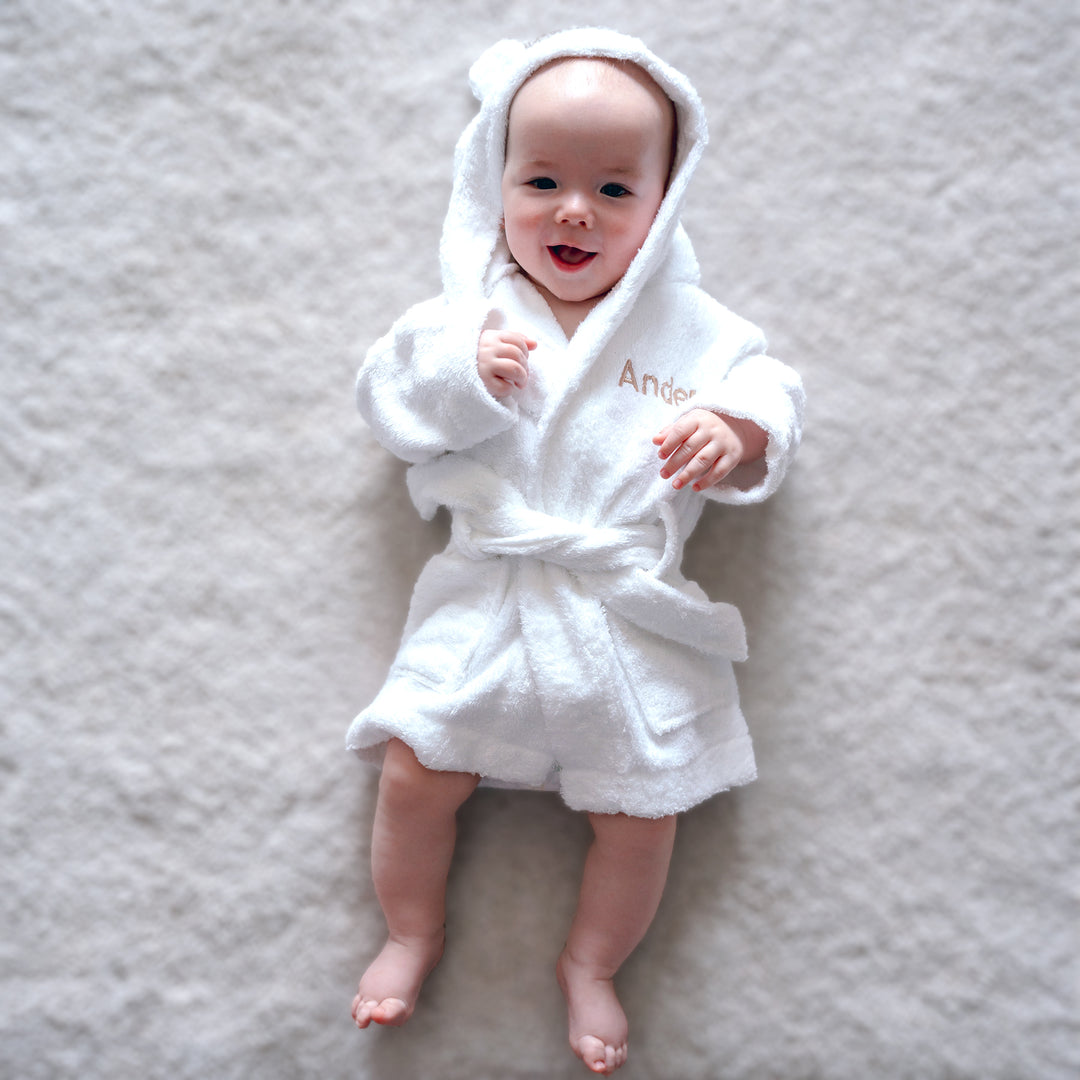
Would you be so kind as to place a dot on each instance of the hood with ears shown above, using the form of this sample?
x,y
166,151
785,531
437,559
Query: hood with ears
x,y
472,250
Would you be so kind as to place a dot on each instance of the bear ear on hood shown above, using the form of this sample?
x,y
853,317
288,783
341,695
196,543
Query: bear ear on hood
x,y
492,67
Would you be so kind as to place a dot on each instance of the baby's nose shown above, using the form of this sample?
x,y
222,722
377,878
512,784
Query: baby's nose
x,y
575,210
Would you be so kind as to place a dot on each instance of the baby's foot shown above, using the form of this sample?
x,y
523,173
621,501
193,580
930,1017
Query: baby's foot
x,y
391,984
598,1028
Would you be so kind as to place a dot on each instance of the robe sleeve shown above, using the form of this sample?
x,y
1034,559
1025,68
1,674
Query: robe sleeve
x,y
419,388
768,392
734,376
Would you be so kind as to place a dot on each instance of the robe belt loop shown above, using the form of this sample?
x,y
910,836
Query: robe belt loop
x,y
671,540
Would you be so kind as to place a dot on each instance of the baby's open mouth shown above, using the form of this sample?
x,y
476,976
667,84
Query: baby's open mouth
x,y
569,257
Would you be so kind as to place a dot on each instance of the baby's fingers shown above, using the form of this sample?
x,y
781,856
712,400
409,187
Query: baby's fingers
x,y
506,375
701,460
513,371
508,344
715,472
503,360
670,438
515,346
694,465
680,449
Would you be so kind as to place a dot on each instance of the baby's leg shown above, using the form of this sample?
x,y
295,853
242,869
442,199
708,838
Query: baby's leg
x,y
625,872
411,846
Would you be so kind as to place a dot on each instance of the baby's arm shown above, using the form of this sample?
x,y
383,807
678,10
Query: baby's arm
x,y
702,447
419,388
503,361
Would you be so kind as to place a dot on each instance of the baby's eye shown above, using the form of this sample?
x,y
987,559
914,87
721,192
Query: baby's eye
x,y
542,183
614,191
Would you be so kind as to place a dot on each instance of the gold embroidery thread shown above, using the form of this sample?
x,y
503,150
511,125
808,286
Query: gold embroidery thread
x,y
667,391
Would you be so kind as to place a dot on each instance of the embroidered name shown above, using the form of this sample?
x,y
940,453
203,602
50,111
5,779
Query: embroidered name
x,y
671,394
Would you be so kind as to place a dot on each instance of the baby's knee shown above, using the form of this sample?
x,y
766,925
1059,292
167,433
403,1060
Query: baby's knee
x,y
406,783
403,777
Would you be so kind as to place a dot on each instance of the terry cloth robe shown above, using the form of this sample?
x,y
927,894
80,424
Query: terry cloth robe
x,y
555,643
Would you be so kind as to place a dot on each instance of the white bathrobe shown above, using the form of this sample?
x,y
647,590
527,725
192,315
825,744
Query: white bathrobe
x,y
555,643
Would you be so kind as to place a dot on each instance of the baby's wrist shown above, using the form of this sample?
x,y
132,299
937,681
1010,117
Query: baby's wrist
x,y
754,440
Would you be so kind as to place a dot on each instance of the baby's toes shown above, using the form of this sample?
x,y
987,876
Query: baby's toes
x,y
392,1012
361,1011
601,1059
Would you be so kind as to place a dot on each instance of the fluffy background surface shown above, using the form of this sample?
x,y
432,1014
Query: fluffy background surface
x,y
207,212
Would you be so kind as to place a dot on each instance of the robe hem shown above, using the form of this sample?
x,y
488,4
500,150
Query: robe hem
x,y
640,792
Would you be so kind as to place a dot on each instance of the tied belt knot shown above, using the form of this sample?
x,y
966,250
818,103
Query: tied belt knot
x,y
623,565
515,530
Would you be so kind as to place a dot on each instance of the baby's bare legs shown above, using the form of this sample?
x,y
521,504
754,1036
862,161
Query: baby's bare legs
x,y
625,872
411,846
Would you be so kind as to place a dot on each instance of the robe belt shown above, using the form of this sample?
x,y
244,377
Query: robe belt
x,y
620,564
492,518
569,544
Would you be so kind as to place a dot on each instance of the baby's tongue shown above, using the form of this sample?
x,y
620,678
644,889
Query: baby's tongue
x,y
571,255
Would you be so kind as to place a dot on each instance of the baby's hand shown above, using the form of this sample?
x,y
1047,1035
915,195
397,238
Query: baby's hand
x,y
706,447
503,361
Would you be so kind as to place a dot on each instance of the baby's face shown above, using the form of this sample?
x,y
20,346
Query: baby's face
x,y
587,160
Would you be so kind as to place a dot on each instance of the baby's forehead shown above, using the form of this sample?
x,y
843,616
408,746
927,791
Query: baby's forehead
x,y
614,91
582,75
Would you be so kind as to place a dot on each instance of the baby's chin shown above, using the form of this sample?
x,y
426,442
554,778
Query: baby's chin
x,y
563,293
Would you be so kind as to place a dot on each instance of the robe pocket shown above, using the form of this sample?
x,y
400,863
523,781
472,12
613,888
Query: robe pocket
x,y
448,618
439,650
671,684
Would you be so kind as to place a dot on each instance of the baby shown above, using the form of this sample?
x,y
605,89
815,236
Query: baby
x,y
573,398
